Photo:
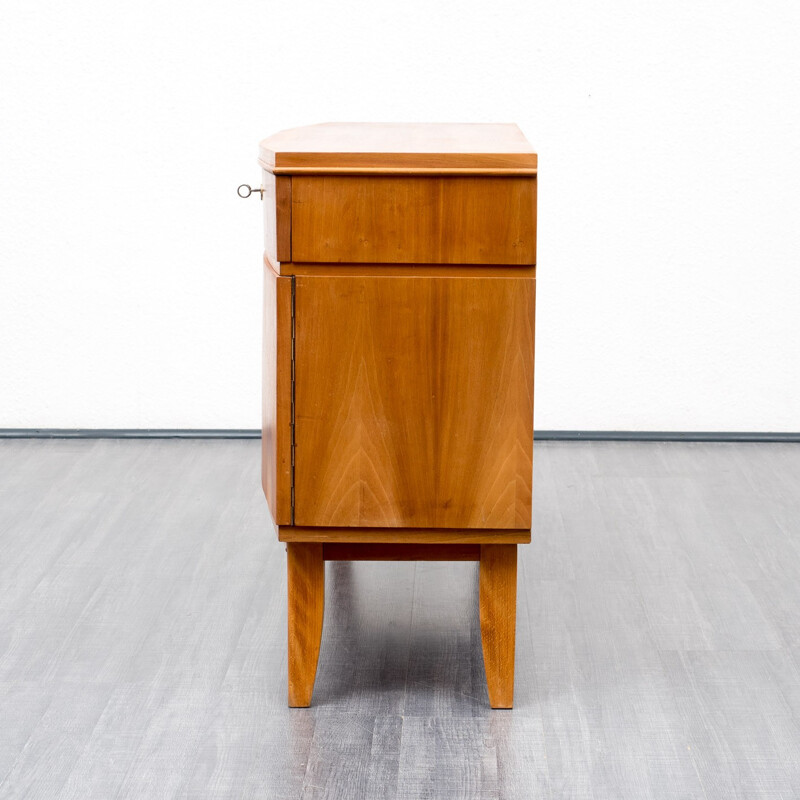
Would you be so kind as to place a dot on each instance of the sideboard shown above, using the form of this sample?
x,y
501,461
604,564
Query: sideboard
x,y
399,293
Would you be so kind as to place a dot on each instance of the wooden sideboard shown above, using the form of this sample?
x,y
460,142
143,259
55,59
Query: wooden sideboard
x,y
399,292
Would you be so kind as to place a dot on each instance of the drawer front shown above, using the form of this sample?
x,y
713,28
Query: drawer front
x,y
414,402
413,220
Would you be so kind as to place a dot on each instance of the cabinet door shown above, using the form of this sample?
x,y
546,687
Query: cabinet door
x,y
414,401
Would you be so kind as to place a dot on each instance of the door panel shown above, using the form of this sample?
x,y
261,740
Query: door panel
x,y
414,401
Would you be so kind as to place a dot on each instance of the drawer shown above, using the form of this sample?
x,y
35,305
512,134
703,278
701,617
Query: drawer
x,y
411,219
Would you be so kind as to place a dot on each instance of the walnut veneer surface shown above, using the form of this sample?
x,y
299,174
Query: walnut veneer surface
x,y
400,285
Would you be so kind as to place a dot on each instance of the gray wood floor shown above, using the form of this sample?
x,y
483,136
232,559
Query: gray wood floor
x,y
142,635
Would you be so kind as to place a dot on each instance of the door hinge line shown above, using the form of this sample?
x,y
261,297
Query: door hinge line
x,y
292,404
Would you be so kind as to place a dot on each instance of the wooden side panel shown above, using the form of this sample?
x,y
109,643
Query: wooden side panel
x,y
414,402
283,203
268,208
276,396
277,209
414,220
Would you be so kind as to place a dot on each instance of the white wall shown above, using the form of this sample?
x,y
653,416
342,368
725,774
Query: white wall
x,y
669,142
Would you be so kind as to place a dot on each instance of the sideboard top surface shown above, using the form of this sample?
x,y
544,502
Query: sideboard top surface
x,y
399,148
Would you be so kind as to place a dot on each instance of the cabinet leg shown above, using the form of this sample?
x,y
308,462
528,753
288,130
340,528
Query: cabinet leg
x,y
306,582
498,607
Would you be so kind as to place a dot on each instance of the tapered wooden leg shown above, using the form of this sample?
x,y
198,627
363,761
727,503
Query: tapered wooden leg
x,y
498,603
306,581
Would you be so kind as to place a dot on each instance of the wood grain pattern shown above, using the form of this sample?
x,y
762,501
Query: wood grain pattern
x,y
398,383
498,613
414,402
283,210
283,393
306,587
394,147
407,220
366,535
335,551
277,211
269,410
269,211
276,396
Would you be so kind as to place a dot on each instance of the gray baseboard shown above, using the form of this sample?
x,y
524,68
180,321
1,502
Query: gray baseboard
x,y
130,433
669,436
253,433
